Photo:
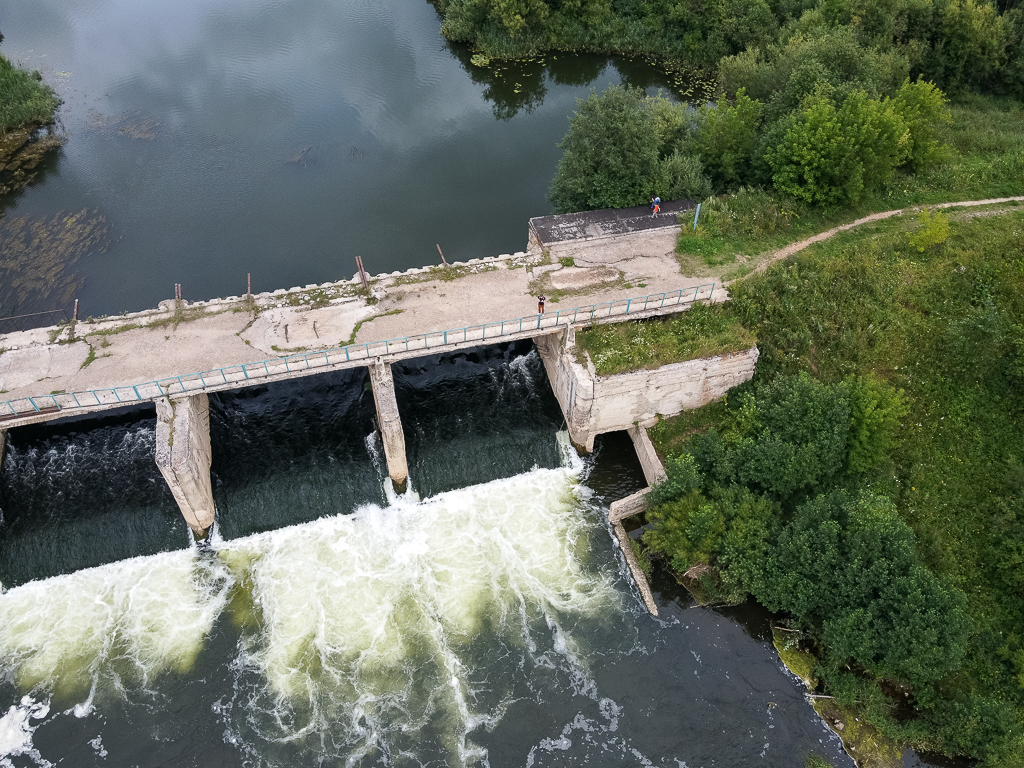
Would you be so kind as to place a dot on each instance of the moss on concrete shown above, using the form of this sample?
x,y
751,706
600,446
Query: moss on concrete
x,y
868,747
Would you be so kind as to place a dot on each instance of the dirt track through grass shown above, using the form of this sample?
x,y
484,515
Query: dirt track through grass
x,y
792,248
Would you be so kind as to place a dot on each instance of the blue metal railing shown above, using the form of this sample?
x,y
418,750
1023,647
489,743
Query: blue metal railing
x,y
245,372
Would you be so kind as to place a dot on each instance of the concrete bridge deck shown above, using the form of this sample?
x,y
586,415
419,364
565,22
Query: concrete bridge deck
x,y
236,342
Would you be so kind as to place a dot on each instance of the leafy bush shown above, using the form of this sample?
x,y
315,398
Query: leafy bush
x,y
876,409
731,528
834,154
789,438
24,99
934,230
850,566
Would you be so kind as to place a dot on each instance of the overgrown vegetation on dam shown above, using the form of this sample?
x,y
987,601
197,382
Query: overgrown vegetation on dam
x,y
868,482
703,331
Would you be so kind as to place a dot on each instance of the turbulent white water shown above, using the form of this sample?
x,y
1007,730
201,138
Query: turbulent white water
x,y
385,626
134,619
361,635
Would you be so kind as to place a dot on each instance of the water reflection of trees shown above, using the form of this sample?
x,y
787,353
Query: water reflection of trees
x,y
521,86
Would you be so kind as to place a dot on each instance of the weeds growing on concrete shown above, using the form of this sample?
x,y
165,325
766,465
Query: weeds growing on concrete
x,y
355,330
702,331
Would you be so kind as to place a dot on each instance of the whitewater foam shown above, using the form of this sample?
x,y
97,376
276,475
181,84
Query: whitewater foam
x,y
378,625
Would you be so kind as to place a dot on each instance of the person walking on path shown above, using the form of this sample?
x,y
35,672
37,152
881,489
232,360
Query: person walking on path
x,y
655,206
540,305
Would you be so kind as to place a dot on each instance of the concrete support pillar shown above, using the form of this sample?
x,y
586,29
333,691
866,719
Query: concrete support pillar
x,y
183,456
389,421
572,384
3,447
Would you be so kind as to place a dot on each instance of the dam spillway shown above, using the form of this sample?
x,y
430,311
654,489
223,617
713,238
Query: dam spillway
x,y
491,623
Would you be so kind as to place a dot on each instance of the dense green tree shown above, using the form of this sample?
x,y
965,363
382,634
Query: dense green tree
x,y
850,566
727,139
621,149
611,154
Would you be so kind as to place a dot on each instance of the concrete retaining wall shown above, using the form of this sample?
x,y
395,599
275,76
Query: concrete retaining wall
x,y
595,404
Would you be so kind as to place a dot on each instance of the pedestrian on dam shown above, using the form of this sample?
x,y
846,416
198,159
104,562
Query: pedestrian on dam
x,y
540,305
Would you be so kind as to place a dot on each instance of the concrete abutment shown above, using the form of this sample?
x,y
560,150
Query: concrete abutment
x,y
594,404
183,457
389,421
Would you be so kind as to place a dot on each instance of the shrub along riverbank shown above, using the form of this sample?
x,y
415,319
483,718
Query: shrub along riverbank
x,y
25,100
869,482
26,104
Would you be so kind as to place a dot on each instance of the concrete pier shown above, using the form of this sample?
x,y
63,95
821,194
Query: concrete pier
x,y
3,447
389,421
183,457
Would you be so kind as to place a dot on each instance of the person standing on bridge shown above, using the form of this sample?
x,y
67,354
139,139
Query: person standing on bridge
x,y
540,305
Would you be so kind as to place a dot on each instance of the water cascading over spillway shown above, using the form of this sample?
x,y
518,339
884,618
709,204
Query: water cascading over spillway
x,y
330,622
81,493
393,631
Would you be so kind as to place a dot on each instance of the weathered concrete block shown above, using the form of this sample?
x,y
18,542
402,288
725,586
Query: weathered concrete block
x,y
183,456
654,472
595,404
634,568
633,504
389,420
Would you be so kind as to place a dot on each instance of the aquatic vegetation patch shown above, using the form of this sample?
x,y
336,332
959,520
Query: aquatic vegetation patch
x,y
38,256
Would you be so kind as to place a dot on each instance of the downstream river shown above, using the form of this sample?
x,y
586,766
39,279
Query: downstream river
x,y
282,138
485,618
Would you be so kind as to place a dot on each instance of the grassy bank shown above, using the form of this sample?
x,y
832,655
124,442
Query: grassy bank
x,y
859,332
26,104
702,331
982,157
25,100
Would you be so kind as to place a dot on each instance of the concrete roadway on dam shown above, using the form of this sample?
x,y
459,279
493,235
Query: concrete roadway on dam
x,y
182,338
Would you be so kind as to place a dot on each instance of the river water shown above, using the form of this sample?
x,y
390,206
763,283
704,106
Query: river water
x,y
282,138
483,618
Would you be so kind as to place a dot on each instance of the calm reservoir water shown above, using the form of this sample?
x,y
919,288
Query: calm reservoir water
x,y
207,140
484,618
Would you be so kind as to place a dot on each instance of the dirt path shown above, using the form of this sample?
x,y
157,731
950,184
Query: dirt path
x,y
792,248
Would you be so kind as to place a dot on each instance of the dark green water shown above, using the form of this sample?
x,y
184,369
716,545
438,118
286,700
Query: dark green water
x,y
485,618
207,140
